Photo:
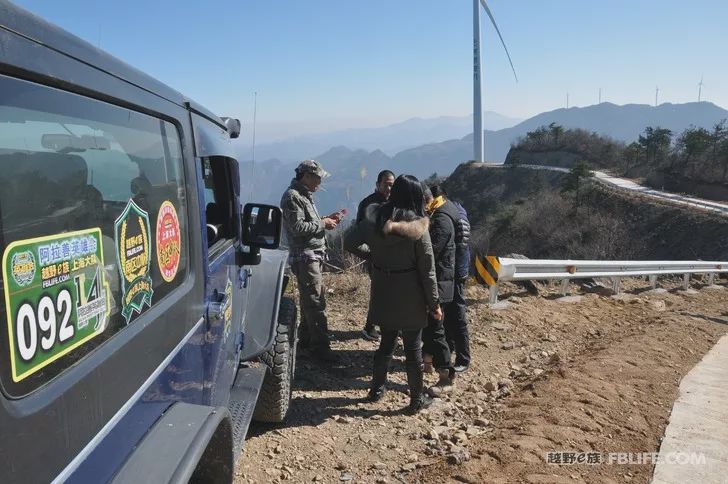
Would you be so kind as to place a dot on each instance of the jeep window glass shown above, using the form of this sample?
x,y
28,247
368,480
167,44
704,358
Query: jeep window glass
x,y
93,226
218,209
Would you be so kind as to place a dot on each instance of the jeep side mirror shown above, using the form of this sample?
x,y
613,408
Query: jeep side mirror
x,y
261,226
233,127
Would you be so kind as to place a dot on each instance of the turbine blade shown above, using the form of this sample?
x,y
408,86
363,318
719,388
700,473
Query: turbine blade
x,y
492,19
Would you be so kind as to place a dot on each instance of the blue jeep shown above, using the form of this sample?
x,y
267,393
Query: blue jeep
x,y
145,323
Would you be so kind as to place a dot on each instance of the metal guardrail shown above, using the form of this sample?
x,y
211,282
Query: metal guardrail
x,y
565,270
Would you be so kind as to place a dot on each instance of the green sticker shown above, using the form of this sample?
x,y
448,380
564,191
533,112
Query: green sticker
x,y
131,233
56,297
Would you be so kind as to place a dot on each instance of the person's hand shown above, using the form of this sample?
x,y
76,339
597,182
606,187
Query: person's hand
x,y
437,313
338,216
329,223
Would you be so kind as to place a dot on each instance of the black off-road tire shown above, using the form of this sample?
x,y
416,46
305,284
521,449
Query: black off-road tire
x,y
275,394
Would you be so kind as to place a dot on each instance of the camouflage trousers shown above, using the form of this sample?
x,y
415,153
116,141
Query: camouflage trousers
x,y
314,323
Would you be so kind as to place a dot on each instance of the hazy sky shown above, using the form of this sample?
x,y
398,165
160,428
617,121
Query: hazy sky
x,y
329,64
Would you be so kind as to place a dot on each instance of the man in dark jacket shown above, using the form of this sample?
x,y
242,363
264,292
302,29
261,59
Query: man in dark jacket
x,y
305,231
442,233
383,188
456,322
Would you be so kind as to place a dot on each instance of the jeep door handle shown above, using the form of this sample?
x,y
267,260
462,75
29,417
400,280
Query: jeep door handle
x,y
245,275
217,309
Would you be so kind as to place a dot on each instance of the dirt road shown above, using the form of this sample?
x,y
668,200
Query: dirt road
x,y
593,374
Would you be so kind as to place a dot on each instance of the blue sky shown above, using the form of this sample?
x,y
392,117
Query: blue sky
x,y
321,65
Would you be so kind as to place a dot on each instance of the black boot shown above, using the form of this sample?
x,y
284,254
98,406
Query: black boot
x,y
379,378
418,399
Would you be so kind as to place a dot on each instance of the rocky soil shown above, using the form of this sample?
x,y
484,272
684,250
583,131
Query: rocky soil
x,y
587,373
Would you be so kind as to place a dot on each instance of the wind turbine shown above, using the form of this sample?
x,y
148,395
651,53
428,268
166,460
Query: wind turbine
x,y
700,88
478,142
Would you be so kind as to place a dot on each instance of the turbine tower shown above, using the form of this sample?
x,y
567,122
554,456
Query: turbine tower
x,y
478,142
700,88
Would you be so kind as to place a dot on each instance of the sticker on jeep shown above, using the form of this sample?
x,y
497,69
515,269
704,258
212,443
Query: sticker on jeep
x,y
56,297
169,242
228,311
131,233
23,267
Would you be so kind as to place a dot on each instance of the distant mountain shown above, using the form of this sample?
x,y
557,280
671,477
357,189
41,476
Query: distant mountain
x,y
264,182
623,123
626,122
389,139
353,176
346,186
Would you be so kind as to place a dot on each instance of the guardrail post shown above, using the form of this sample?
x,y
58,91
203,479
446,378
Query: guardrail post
x,y
564,287
711,278
616,285
653,281
493,294
686,282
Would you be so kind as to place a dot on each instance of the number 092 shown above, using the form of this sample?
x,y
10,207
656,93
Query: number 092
x,y
40,325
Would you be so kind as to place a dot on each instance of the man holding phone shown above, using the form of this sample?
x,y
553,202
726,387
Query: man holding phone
x,y
306,233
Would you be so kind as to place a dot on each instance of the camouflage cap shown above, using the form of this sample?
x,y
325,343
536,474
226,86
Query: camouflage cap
x,y
311,166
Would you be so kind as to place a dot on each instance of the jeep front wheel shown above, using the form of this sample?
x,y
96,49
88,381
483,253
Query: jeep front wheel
x,y
275,394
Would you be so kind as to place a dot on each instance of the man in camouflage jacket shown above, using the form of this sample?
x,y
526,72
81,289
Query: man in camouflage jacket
x,y
305,230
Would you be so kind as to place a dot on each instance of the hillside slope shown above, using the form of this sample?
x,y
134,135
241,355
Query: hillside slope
x,y
517,210
543,379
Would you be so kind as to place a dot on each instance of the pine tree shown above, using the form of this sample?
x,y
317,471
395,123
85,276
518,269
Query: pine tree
x,y
575,179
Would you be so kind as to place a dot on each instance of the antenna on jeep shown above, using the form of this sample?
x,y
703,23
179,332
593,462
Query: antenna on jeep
x,y
252,168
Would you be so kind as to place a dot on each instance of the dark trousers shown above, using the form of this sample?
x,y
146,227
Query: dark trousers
x,y
435,344
412,344
413,354
369,325
456,324
314,324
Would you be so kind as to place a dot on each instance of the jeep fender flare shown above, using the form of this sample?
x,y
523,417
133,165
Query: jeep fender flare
x,y
269,281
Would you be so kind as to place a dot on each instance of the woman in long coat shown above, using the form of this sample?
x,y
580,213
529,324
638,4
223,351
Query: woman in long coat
x,y
394,238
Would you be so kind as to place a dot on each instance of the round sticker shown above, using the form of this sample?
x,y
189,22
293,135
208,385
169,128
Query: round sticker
x,y
23,268
169,242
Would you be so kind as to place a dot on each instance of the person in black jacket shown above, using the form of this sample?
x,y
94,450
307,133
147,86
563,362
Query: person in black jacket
x,y
383,188
456,322
394,237
442,234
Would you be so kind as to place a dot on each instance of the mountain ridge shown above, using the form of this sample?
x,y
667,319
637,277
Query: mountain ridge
x,y
391,138
347,185
620,122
